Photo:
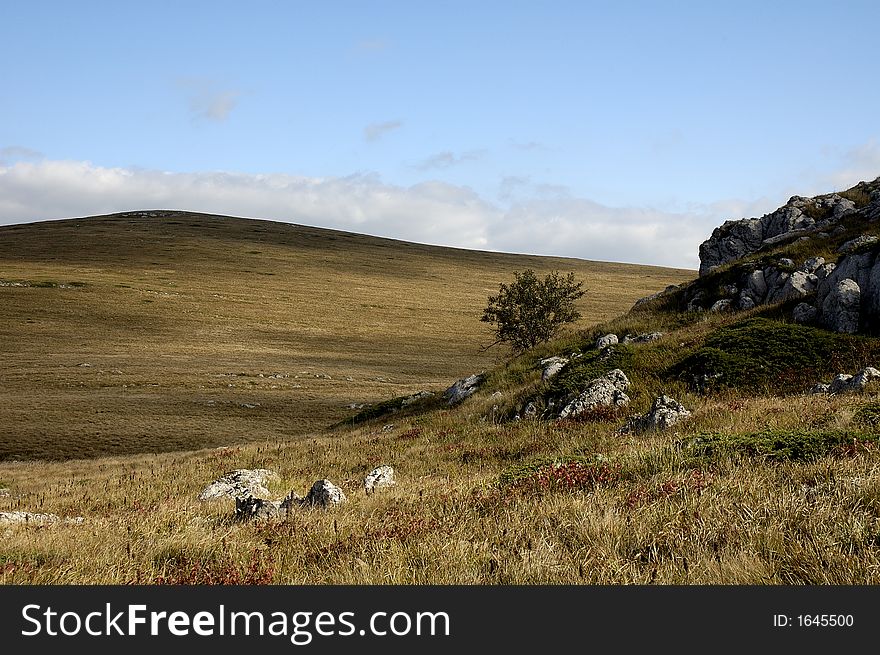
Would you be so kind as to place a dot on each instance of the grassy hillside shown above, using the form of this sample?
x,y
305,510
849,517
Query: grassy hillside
x,y
159,331
764,483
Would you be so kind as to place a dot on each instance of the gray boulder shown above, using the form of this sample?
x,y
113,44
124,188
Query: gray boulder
x,y
381,476
664,413
607,340
607,390
324,494
463,388
249,509
841,307
241,483
723,305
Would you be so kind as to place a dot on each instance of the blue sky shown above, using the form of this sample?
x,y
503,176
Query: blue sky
x,y
619,131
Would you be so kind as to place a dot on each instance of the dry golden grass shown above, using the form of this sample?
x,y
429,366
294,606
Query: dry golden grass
x,y
181,319
467,508
665,519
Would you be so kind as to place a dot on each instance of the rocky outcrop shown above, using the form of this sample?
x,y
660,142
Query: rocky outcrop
x,y
610,389
241,483
844,383
463,388
664,413
381,476
799,216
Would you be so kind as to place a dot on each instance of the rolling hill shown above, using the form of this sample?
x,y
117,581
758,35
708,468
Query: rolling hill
x,y
154,331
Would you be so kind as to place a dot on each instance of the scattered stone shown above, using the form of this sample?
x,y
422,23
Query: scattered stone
x,y
664,413
241,483
844,383
463,388
607,340
33,518
805,314
841,307
381,476
607,390
4,492
324,494
388,427
858,242
785,262
746,302
642,338
552,366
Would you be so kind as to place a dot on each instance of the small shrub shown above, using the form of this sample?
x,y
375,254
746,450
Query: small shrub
x,y
868,415
774,445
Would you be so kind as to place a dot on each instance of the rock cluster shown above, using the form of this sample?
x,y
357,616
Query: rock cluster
x,y
736,239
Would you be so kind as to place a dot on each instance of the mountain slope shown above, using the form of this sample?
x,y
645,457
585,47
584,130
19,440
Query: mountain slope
x,y
155,331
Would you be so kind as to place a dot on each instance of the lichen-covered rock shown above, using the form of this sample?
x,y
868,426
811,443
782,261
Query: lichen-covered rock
x,y
607,340
610,389
664,413
551,366
241,483
463,388
324,494
381,476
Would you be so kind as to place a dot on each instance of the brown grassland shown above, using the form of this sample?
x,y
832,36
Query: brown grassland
x,y
171,315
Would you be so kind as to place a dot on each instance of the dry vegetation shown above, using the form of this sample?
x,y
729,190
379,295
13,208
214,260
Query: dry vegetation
x,y
766,487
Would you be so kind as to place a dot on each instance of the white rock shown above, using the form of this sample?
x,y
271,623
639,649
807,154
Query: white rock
x,y
381,476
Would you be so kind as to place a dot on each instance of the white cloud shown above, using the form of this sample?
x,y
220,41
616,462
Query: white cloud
x,y
207,100
375,131
430,212
856,164
447,158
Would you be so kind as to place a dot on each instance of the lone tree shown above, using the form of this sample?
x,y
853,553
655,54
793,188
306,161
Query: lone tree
x,y
530,311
